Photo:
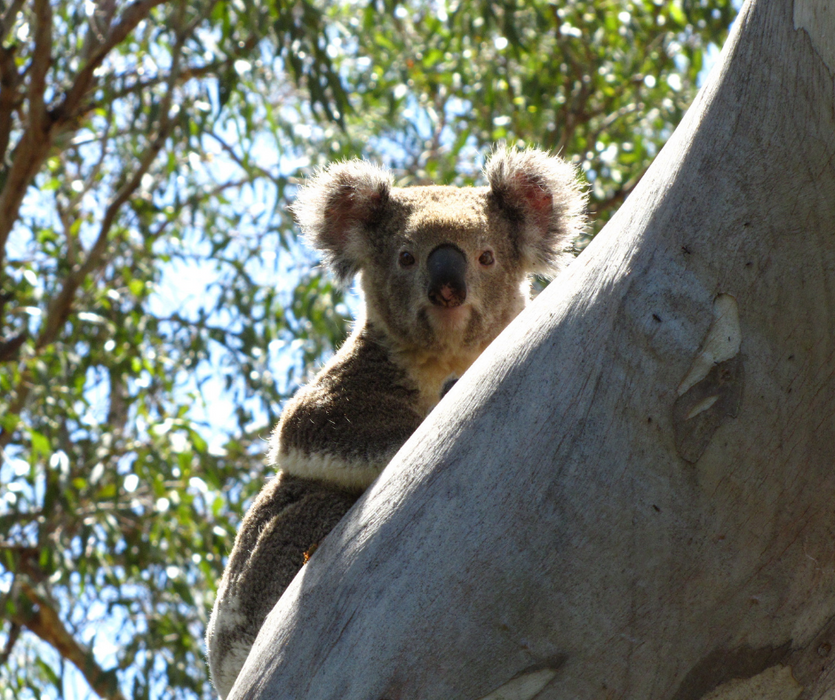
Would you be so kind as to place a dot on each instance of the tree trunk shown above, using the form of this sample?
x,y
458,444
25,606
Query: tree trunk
x,y
631,494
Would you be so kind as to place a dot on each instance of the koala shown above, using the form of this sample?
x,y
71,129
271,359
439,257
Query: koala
x,y
442,270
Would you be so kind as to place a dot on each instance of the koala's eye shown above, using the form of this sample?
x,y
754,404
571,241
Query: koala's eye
x,y
406,259
486,258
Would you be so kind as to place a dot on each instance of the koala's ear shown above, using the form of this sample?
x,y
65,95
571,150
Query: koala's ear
x,y
543,196
335,206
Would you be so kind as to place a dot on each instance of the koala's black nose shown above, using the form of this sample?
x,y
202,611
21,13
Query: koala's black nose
x,y
447,267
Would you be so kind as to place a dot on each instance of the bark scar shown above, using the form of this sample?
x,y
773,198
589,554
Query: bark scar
x,y
711,391
817,19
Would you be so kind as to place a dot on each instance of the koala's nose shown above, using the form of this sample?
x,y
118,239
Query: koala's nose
x,y
447,267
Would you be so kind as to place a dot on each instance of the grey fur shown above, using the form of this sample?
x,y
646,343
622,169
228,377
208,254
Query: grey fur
x,y
338,432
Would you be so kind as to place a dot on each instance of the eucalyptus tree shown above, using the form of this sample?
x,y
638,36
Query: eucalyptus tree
x,y
631,493
155,308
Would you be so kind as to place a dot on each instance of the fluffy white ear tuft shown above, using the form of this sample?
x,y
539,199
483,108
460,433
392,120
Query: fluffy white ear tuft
x,y
334,206
544,197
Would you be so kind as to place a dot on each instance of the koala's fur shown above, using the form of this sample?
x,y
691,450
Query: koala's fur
x,y
443,271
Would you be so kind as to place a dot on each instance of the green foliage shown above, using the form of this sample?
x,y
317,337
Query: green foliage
x,y
155,307
434,85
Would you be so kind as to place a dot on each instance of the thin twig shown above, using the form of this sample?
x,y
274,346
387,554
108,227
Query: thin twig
x,y
238,160
68,213
140,86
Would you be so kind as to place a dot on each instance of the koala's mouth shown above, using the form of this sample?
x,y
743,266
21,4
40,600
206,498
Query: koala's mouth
x,y
449,320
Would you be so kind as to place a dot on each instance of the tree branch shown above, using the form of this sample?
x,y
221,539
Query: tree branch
x,y
186,74
35,143
37,614
5,298
10,347
133,15
7,21
37,139
11,640
9,519
9,97
9,78
100,21
619,195
60,307
41,60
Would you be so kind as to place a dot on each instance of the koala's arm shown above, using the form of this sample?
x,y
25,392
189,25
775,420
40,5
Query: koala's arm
x,y
288,519
346,425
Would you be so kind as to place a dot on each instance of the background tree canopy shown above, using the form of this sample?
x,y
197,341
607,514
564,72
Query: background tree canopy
x,y
155,308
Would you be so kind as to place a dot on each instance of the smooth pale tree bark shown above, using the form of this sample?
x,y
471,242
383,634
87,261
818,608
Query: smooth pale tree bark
x,y
632,493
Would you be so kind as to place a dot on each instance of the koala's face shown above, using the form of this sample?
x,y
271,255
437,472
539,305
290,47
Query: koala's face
x,y
444,267
442,270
